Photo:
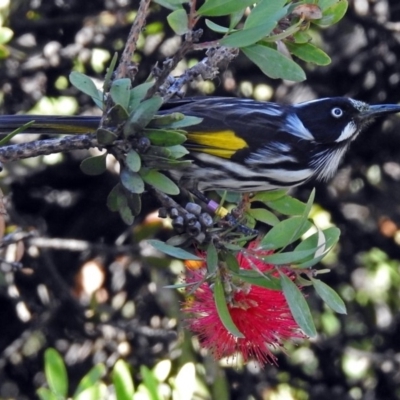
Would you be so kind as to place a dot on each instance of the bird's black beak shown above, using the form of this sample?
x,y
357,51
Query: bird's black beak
x,y
380,109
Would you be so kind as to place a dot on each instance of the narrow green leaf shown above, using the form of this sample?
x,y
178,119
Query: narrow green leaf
x,y
329,296
105,136
309,53
56,373
142,115
112,198
333,14
215,27
173,251
159,181
285,232
131,181
263,215
216,8
289,257
274,64
171,4
254,278
324,4
91,378
235,18
266,10
94,165
150,382
109,74
95,392
122,380
133,161
126,214
223,311
120,92
269,196
298,306
177,151
46,394
231,261
164,137
178,21
211,258
302,37
21,129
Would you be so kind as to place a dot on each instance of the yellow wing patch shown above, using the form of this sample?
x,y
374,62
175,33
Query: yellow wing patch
x,y
221,144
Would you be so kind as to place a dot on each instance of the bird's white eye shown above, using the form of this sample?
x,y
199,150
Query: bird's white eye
x,y
337,112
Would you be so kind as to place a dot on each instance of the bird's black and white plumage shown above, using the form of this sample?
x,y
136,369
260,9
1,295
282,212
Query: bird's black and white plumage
x,y
244,145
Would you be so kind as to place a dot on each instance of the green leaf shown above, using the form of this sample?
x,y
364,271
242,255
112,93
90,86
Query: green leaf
x,y
113,198
215,27
235,18
133,161
6,34
302,37
120,92
272,195
46,394
178,21
287,206
177,151
94,165
216,8
150,382
21,129
159,181
137,94
96,392
122,380
105,136
309,53
285,232
231,261
83,83
274,64
142,115
171,4
263,215
163,137
56,373
126,214
324,4
333,14
110,72
211,258
329,296
266,10
223,311
117,115
173,251
91,378
298,306
131,181
289,257
255,278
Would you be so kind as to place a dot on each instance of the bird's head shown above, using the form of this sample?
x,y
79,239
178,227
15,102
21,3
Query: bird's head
x,y
339,119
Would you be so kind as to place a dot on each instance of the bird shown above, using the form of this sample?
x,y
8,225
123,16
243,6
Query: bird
x,y
244,145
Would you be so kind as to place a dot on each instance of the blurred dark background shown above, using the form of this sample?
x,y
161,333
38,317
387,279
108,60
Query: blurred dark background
x,y
100,298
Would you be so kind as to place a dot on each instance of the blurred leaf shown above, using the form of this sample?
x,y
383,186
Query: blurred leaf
x,y
177,151
178,21
133,161
94,165
263,215
285,232
171,4
274,64
211,258
302,37
6,34
46,394
309,53
122,380
324,4
84,84
215,27
56,373
21,129
131,181
117,115
329,296
216,8
120,91
105,136
112,198
333,14
142,115
159,181
255,278
126,214
173,251
150,382
91,378
163,137
223,311
109,74
98,391
298,306
235,18
137,94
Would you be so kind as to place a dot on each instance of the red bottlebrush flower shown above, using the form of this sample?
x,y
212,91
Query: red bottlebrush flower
x,y
261,315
